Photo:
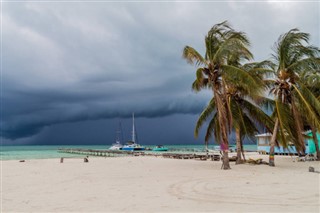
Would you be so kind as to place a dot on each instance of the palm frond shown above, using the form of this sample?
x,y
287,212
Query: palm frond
x,y
257,115
308,104
302,65
206,113
298,127
285,121
237,76
201,81
235,46
192,56
213,128
286,47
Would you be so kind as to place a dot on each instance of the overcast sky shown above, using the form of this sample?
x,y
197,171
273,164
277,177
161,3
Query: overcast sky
x,y
72,70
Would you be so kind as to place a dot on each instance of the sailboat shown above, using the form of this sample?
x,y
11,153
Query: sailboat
x,y
132,145
117,145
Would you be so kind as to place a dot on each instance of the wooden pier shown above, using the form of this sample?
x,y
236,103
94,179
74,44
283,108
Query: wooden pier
x,y
119,153
100,153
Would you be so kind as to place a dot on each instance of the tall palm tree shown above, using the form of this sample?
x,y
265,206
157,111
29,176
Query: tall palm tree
x,y
222,44
292,98
242,99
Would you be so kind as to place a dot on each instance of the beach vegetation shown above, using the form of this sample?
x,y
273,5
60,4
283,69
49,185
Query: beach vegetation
x,y
246,101
294,101
216,69
311,80
239,89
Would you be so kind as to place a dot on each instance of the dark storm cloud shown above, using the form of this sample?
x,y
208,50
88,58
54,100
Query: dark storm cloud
x,y
72,62
44,108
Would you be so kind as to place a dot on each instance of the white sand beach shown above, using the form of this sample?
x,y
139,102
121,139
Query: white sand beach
x,y
156,184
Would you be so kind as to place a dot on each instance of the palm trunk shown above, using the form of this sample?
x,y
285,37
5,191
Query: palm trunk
x,y
242,151
238,144
316,142
221,108
273,143
225,151
225,160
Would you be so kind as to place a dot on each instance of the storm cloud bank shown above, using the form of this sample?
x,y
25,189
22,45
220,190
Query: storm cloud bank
x,y
68,62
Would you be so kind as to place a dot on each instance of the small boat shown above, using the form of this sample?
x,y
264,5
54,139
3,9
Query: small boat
x,y
132,145
160,148
117,145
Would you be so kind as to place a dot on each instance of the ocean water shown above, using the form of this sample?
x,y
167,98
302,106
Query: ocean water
x,y
46,152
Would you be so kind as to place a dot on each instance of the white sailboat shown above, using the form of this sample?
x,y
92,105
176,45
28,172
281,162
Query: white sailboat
x,y
132,145
117,145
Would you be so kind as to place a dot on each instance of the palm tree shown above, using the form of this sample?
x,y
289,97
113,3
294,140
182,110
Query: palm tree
x,y
245,102
222,44
242,99
312,81
292,98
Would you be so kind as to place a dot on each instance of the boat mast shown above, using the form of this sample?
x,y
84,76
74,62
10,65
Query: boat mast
x,y
119,134
133,133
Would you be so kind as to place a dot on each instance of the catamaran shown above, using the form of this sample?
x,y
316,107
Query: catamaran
x,y
132,145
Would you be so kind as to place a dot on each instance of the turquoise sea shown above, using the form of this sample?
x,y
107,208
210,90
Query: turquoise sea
x,y
45,152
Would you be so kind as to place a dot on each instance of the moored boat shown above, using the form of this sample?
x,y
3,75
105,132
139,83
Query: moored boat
x,y
160,148
132,145
117,145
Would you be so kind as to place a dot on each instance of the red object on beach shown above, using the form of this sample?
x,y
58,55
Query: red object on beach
x,y
224,147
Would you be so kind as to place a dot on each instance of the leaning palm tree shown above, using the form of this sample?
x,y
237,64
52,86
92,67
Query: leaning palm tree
x,y
312,80
245,102
242,99
222,43
292,98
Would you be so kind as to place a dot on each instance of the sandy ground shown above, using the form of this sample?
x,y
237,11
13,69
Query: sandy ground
x,y
155,184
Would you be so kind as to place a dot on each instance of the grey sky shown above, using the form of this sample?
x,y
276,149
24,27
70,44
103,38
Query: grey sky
x,y
79,65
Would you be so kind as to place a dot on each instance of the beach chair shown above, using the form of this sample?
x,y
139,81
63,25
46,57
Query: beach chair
x,y
310,157
214,154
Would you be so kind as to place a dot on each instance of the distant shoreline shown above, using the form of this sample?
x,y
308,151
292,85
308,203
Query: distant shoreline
x,y
50,151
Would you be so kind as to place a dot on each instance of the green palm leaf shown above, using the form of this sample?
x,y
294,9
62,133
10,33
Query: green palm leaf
x,y
192,56
205,115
